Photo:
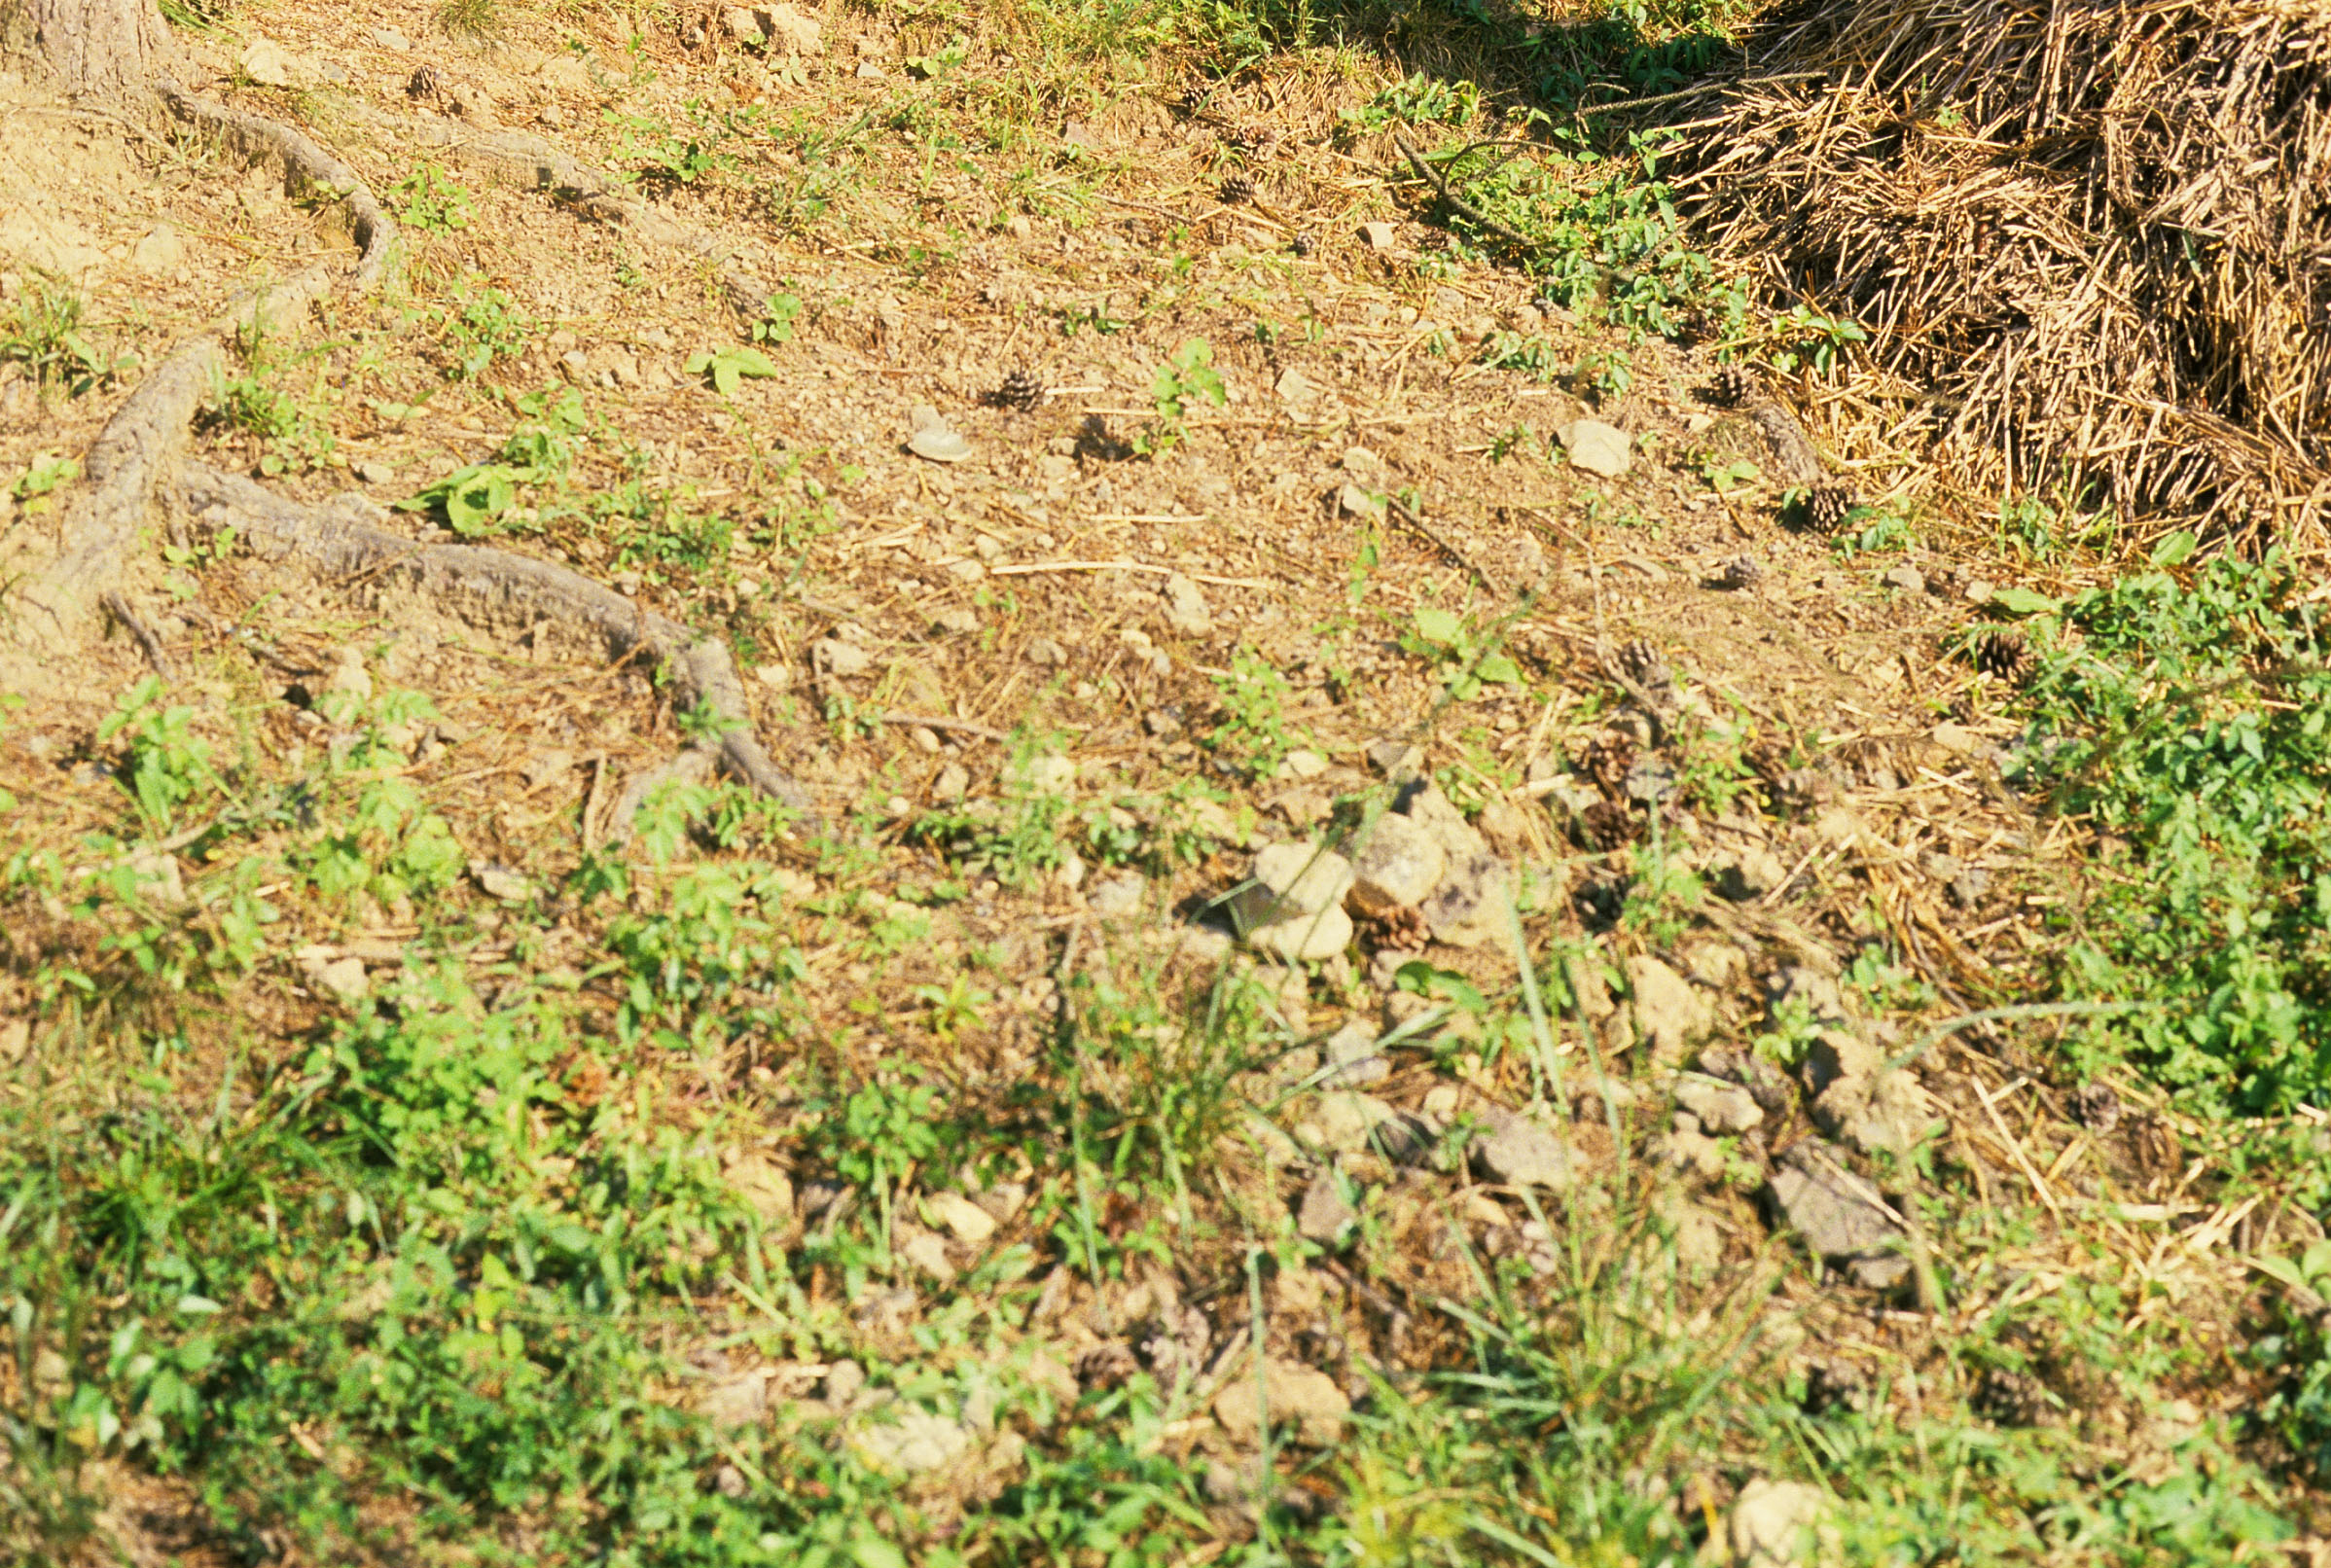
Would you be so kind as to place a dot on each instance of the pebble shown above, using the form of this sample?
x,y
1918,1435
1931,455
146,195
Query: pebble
x,y
1601,449
1293,1392
1841,1217
1515,1150
969,1223
1396,864
1772,1523
1670,1016
1116,896
1325,1214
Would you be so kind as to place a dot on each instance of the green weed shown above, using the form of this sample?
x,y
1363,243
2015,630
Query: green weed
x,y
47,331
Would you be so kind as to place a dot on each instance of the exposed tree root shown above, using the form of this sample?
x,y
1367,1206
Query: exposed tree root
x,y
531,162
138,455
506,594
126,465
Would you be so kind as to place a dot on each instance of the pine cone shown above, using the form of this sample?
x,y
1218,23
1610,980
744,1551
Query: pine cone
x,y
1606,825
2096,1107
1252,137
1731,385
1401,929
1740,572
425,83
1606,762
1108,1365
1191,101
2001,650
1827,507
2012,1398
1020,391
1300,245
1237,189
1641,664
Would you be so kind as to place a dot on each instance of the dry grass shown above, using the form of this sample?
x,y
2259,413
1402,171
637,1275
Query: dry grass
x,y
2099,232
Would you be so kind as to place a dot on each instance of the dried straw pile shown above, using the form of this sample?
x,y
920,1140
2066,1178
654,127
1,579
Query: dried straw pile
x,y
2101,229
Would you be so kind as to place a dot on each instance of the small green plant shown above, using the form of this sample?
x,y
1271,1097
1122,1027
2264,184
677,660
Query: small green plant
x,y
1727,475
48,472
1470,657
1804,336
666,156
1873,530
727,367
479,324
46,331
778,312
470,18
1187,377
284,428
1421,100
940,62
1252,736
431,201
1606,373
167,764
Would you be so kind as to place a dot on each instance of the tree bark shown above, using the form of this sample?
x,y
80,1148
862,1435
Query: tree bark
x,y
108,49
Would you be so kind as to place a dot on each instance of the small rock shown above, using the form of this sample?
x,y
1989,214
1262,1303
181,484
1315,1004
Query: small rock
x,y
835,657
1343,1121
1397,760
1689,1151
373,471
349,677
927,1252
1050,773
1306,938
344,978
1722,1108
1841,1217
1777,1524
500,882
1396,866
1356,500
389,38
1601,449
564,73
1890,1111
1432,810
1350,1059
1116,896
1186,609
1046,652
1293,1393
268,64
913,1441
935,439
1378,235
1515,1150
1749,872
844,1379
1298,878
735,1402
1302,763
1470,907
1296,389
1906,577
161,250
1326,1214
953,780
767,1190
960,622
1837,1054
1955,738
1670,1016
970,1223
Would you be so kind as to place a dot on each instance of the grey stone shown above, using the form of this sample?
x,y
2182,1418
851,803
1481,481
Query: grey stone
x,y
935,439
1397,864
1304,938
913,1441
965,1219
1773,1524
1722,1108
838,657
1351,1060
927,1252
1293,878
952,781
389,38
1326,1214
1836,1055
1601,449
735,1402
1378,235
1115,896
1749,872
1469,908
1690,1152
1424,803
1396,758
1343,1120
1356,500
1888,1111
1841,1217
1302,1396
1670,1016
844,1379
1186,610
268,64
1906,577
1803,983
1515,1150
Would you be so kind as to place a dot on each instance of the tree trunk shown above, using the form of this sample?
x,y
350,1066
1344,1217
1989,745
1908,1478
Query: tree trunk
x,y
98,49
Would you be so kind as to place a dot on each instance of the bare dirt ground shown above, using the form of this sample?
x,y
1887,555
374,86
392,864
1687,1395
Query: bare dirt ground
x,y
1051,698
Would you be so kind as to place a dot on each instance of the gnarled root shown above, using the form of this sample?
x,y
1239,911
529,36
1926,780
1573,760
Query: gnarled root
x,y
497,592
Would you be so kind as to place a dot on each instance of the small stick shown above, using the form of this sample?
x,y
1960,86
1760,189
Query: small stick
x,y
1457,203
155,655
958,726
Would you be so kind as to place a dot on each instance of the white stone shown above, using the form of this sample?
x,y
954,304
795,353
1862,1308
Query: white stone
x,y
564,73
267,63
1307,938
1669,1015
1378,235
1186,609
1598,449
1773,1524
1300,877
970,1223
1291,1392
